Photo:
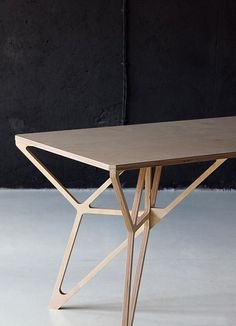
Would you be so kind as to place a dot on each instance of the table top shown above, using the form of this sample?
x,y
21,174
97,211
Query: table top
x,y
134,146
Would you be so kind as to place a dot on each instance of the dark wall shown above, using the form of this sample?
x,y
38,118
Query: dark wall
x,y
60,68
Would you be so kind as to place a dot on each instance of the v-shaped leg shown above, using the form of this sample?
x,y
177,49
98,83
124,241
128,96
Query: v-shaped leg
x,y
137,221
134,223
132,290
58,296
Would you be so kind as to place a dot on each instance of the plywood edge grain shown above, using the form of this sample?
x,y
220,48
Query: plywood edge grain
x,y
30,143
175,161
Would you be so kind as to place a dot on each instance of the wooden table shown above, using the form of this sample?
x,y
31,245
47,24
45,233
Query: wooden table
x,y
146,147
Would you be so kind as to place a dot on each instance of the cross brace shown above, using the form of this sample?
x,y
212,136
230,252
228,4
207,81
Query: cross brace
x,y
137,221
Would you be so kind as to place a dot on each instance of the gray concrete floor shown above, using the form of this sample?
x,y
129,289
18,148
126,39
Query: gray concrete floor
x,y
189,275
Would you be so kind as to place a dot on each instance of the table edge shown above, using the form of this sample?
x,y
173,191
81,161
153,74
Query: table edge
x,y
108,167
29,143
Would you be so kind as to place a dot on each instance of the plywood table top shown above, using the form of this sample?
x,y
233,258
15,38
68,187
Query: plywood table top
x,y
135,146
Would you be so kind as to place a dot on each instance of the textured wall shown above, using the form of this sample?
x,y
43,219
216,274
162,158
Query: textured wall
x,y
182,65
60,68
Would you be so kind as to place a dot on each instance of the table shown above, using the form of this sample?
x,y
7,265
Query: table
x,y
147,148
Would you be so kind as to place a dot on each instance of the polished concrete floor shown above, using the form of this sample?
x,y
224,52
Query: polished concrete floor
x,y
189,277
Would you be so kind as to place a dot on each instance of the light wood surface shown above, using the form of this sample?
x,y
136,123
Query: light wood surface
x,y
135,146
127,147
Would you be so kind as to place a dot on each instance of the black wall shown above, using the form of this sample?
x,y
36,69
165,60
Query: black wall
x,y
60,68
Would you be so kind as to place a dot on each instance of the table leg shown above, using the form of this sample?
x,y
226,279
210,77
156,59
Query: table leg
x,y
132,222
57,299
137,222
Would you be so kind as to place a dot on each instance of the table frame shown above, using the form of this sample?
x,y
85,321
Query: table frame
x,y
137,222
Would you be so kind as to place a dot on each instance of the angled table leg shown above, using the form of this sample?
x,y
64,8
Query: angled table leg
x,y
150,217
139,270
131,290
59,298
137,221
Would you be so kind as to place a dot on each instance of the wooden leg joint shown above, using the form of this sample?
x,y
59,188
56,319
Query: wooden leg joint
x,y
137,221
